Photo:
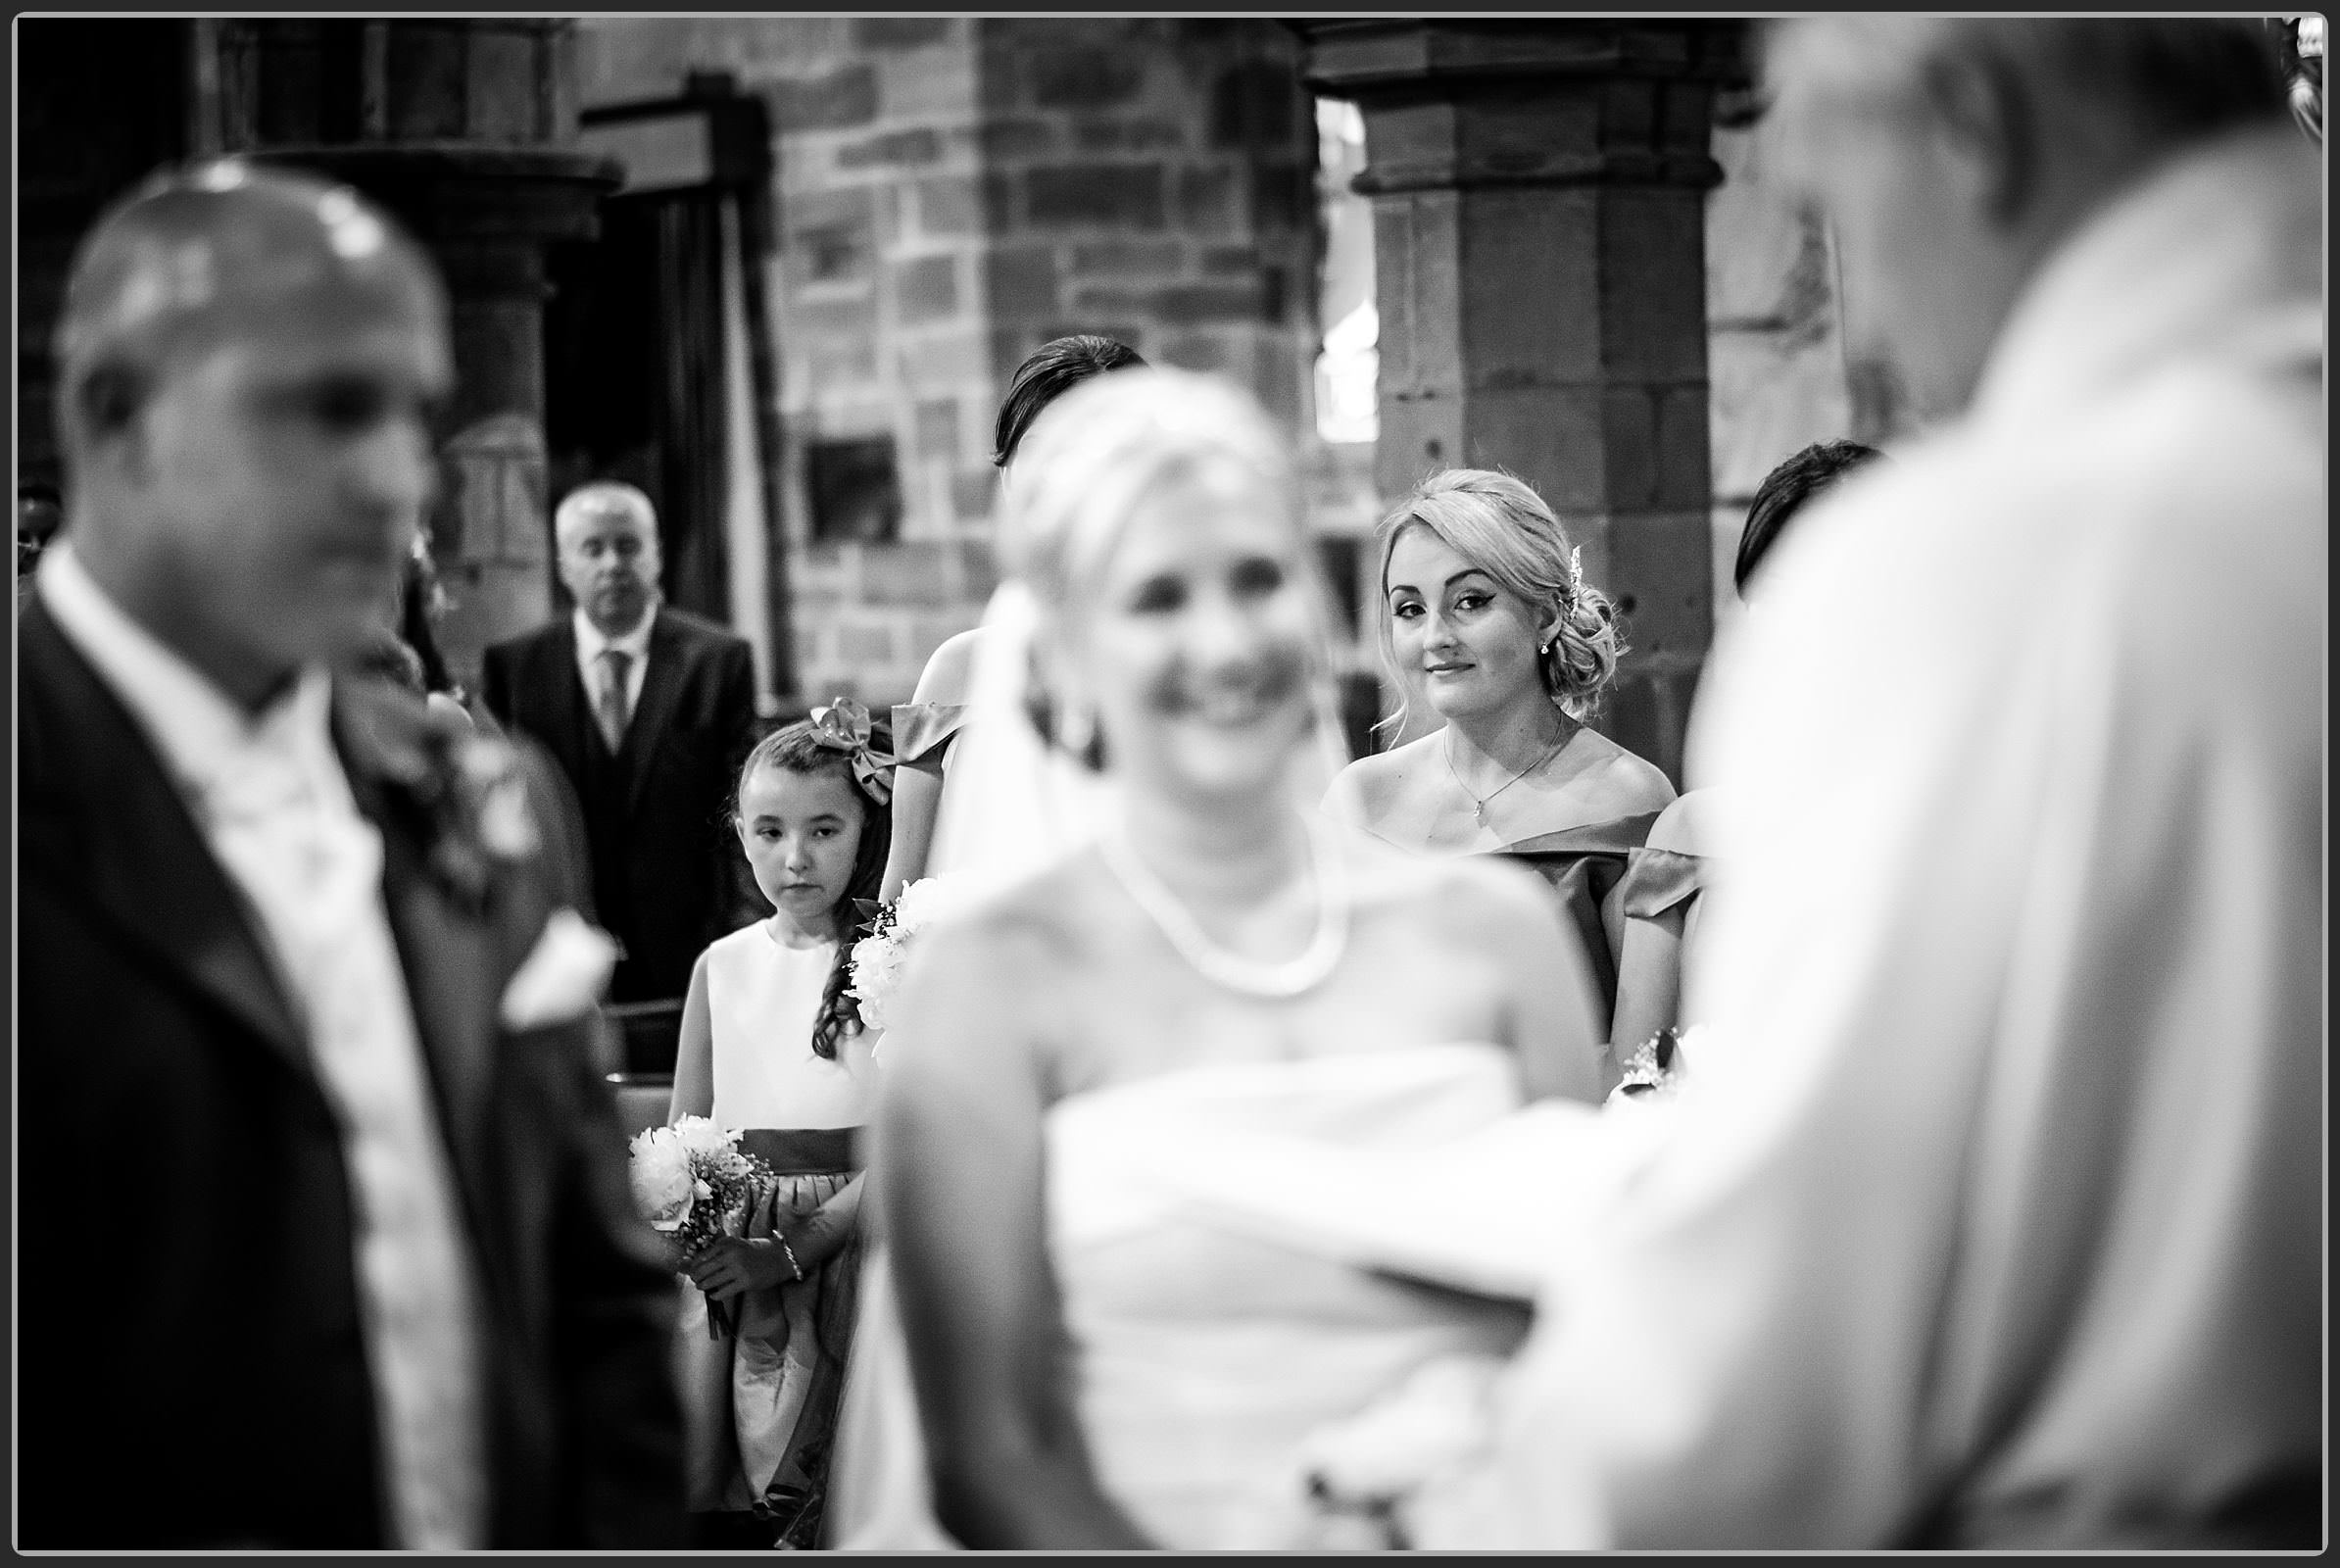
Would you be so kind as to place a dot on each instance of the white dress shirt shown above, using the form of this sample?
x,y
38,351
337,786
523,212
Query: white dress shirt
x,y
275,808
2001,1184
634,643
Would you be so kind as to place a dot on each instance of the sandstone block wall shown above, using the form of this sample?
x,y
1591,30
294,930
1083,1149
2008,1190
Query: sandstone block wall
x,y
1775,350
952,191
955,191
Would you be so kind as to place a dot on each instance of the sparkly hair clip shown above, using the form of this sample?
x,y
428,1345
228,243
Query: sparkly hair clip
x,y
845,725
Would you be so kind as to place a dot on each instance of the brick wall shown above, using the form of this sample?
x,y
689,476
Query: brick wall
x,y
1153,180
955,191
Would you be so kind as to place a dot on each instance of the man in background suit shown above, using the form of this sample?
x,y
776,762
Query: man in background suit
x,y
304,1010
650,711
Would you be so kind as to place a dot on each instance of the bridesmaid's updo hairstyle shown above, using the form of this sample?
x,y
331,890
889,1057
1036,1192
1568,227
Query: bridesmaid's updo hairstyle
x,y
1095,456
1504,528
1053,370
793,748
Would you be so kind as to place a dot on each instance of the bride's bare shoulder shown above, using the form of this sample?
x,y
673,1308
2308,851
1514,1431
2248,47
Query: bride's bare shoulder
x,y
989,976
1029,930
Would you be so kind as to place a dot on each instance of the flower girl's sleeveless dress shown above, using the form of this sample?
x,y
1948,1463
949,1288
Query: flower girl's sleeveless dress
x,y
761,1405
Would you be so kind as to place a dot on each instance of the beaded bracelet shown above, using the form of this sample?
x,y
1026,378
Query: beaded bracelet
x,y
789,1253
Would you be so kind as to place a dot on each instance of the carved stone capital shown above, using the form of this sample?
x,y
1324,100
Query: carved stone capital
x,y
1478,105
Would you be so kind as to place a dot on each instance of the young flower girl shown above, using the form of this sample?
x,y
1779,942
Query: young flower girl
x,y
773,1043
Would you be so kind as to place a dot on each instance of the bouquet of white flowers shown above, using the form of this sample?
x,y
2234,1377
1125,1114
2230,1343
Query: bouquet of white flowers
x,y
878,957
1657,1066
692,1183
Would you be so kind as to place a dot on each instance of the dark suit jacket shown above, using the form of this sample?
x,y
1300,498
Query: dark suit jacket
x,y
666,877
192,1372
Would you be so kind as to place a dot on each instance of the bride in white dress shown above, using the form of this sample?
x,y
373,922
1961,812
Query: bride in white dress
x,y
1098,1360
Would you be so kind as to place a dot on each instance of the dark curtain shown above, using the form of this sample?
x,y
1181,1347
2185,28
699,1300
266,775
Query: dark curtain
x,y
634,376
689,416
101,104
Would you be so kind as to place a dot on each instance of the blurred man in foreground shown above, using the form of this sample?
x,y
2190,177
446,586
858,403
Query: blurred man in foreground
x,y
1995,1218
304,1008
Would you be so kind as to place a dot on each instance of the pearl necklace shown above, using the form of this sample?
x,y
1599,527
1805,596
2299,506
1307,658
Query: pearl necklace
x,y
1289,978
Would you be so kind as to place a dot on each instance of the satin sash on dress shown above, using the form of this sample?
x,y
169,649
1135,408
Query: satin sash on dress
x,y
761,1403
1656,880
1584,866
804,1151
923,731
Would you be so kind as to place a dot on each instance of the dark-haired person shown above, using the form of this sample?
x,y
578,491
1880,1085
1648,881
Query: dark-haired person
x,y
924,726
421,601
1786,491
1665,875
773,1043
40,512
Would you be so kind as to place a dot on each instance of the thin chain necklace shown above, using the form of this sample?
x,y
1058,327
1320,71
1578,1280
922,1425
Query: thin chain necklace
x,y
1480,802
1215,963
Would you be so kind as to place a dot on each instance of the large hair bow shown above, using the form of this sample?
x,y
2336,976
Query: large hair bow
x,y
845,725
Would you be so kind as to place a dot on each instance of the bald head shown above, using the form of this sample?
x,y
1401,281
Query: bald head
x,y
248,363
223,252
2138,85
1953,155
603,497
606,535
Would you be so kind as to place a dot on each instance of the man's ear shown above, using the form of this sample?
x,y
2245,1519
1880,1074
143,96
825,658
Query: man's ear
x,y
107,404
1989,131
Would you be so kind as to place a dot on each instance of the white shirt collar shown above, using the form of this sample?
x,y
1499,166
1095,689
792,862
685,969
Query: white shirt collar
x,y
635,644
201,732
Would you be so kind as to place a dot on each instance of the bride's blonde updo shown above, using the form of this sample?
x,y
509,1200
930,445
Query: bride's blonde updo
x,y
1100,451
1108,444
1502,527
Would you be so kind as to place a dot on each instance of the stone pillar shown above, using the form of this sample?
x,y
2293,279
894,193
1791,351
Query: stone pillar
x,y
1539,257
466,130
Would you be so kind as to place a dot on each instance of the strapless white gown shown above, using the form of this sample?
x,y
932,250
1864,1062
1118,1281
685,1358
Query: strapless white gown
x,y
1207,1347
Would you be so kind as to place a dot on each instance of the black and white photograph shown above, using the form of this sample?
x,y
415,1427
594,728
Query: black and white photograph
x,y
1214,782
